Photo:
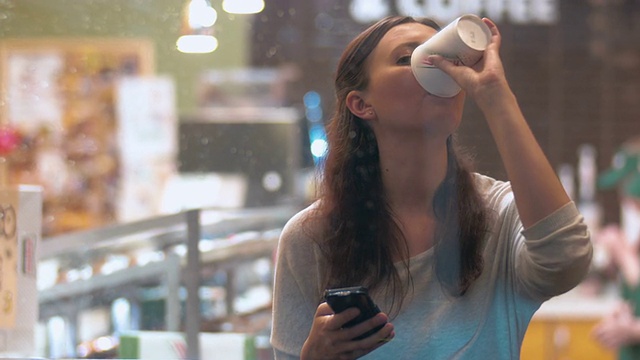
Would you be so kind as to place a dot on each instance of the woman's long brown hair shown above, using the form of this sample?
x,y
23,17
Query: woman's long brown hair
x,y
362,238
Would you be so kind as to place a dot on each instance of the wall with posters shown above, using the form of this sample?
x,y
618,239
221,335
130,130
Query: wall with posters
x,y
61,97
61,64
157,21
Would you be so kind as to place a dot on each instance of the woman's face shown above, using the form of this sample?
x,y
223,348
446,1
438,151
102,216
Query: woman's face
x,y
394,93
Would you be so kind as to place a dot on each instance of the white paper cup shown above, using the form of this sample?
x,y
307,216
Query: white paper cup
x,y
463,41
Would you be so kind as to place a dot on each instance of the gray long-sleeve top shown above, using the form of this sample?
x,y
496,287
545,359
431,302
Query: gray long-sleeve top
x,y
523,268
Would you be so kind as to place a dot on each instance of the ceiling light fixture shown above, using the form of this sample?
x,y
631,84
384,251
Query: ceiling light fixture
x,y
197,28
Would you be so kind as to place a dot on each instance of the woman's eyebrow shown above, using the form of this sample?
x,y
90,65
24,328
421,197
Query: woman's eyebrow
x,y
404,48
407,45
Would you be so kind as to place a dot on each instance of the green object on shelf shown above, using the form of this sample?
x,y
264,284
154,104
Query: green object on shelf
x,y
624,164
129,347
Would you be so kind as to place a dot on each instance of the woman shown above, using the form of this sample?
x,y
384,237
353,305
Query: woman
x,y
457,262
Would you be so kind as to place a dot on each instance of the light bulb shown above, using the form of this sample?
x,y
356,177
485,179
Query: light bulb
x,y
243,6
201,14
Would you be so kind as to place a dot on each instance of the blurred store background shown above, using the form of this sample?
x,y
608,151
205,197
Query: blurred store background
x,y
151,150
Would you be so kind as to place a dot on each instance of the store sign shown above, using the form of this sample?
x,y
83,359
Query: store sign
x,y
444,11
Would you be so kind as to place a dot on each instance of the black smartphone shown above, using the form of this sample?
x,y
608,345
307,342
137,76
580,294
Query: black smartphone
x,y
341,299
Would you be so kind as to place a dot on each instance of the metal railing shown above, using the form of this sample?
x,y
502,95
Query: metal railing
x,y
162,232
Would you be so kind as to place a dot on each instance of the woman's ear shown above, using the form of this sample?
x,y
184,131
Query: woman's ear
x,y
359,106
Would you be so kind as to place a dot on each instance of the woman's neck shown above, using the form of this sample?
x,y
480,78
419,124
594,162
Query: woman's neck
x,y
412,169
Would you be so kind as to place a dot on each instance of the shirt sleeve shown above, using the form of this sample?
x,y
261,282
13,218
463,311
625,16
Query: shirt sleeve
x,y
555,254
296,292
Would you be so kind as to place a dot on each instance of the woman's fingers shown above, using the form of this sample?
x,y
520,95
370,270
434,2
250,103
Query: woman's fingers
x,y
336,321
330,339
363,327
371,342
495,33
344,317
483,78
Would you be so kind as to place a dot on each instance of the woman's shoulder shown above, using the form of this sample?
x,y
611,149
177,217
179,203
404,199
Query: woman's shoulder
x,y
310,216
304,228
493,189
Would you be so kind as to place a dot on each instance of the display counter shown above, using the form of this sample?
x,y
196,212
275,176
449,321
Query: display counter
x,y
574,305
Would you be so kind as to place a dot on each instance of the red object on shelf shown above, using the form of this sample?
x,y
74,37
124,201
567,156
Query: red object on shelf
x,y
9,139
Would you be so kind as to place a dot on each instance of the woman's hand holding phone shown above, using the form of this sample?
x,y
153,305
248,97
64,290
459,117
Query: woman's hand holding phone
x,y
330,339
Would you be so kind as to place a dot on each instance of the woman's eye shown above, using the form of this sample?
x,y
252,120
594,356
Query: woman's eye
x,y
405,60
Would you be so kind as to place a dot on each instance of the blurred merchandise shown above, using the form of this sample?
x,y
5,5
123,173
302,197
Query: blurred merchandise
x,y
103,347
248,87
624,177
